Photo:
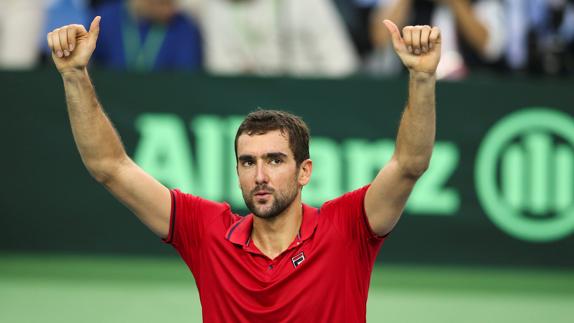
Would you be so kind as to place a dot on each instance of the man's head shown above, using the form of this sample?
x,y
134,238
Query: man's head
x,y
272,153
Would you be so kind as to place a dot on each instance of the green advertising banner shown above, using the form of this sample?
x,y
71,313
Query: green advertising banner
x,y
499,190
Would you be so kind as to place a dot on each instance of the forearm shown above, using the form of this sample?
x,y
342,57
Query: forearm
x,y
98,143
472,29
416,135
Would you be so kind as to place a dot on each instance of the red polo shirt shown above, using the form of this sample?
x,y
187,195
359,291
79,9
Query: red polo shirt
x,y
322,277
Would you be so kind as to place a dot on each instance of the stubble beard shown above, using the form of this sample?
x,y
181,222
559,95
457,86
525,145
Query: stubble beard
x,y
281,201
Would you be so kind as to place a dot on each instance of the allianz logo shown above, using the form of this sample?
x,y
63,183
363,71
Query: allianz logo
x,y
198,157
523,173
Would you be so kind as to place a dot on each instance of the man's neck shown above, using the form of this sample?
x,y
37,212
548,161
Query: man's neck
x,y
273,236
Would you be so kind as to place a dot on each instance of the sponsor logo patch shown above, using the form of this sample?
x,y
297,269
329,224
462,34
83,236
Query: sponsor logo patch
x,y
298,259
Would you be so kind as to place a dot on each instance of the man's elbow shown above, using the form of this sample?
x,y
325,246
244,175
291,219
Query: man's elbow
x,y
104,171
101,175
415,167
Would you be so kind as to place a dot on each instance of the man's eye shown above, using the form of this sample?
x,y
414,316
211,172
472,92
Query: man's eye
x,y
247,163
276,161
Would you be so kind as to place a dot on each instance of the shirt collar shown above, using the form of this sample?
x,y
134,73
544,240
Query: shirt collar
x,y
239,232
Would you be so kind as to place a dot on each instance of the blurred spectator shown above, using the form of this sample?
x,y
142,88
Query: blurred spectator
x,y
146,35
357,17
542,36
473,33
21,23
274,37
97,3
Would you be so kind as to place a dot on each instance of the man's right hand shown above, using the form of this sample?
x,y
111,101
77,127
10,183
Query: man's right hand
x,y
72,46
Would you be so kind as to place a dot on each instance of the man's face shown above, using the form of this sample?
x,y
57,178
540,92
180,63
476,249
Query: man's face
x,y
268,174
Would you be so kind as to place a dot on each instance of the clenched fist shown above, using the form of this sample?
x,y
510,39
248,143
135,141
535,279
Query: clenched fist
x,y
72,46
418,47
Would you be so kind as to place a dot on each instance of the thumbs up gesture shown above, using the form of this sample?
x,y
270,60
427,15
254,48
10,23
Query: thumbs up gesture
x,y
72,46
418,47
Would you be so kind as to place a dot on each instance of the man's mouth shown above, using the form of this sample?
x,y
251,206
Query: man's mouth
x,y
262,195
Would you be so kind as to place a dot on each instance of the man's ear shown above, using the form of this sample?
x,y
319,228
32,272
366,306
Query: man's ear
x,y
305,170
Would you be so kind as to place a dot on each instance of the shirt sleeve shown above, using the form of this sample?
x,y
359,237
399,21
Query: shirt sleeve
x,y
190,216
347,214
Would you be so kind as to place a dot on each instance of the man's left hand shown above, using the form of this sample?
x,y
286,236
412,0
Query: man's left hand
x,y
418,47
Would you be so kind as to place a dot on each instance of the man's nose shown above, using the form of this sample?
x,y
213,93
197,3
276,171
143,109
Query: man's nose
x,y
261,176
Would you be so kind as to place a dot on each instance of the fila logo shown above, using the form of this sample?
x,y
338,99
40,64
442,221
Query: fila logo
x,y
298,259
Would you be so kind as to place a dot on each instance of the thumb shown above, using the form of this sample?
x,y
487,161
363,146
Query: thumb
x,y
394,31
95,29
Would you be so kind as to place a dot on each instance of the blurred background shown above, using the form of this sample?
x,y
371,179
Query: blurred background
x,y
487,235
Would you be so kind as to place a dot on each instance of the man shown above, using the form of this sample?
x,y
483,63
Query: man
x,y
146,35
286,261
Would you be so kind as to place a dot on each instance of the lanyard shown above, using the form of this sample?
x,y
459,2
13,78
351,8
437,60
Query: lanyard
x,y
141,55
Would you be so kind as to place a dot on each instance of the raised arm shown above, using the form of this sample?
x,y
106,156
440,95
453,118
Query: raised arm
x,y
98,142
419,49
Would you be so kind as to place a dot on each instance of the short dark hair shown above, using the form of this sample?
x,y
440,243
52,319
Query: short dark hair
x,y
262,121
